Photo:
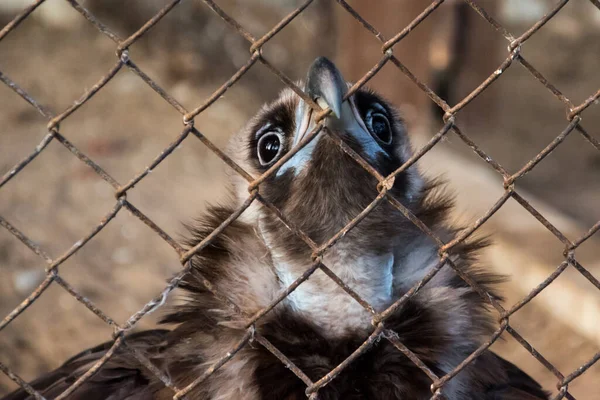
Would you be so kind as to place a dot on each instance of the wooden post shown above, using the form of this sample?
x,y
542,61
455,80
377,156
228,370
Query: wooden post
x,y
452,51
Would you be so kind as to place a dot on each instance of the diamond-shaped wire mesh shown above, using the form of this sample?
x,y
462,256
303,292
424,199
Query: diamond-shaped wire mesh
x,y
573,123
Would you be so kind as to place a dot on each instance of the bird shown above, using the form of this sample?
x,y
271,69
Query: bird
x,y
319,189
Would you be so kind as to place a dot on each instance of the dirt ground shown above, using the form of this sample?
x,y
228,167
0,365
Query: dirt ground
x,y
57,199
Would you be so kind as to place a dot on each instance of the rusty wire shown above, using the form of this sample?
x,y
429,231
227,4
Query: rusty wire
x,y
573,123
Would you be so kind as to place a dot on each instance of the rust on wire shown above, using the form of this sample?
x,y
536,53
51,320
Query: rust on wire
x,y
230,21
361,20
563,265
289,225
115,346
285,293
536,74
124,45
170,148
152,225
218,364
88,161
468,231
477,150
593,141
411,292
29,158
393,338
86,96
484,85
19,18
533,162
316,261
432,142
157,302
440,383
420,18
362,349
355,221
527,346
219,153
583,271
84,300
81,242
526,205
220,91
370,74
290,84
282,24
588,102
347,289
18,90
484,14
170,99
19,381
527,34
94,21
208,239
283,358
27,302
25,240
487,297
151,367
580,370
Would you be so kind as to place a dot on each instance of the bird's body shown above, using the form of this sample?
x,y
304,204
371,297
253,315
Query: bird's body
x,y
319,190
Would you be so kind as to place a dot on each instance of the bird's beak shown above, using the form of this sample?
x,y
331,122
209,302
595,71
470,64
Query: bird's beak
x,y
326,86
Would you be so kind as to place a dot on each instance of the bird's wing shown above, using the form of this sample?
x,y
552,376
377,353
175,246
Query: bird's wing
x,y
519,385
121,377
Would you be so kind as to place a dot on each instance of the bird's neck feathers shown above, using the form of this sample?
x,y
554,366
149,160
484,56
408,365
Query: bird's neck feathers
x,y
443,323
244,265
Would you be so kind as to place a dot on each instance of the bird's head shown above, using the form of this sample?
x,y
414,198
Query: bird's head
x,y
321,187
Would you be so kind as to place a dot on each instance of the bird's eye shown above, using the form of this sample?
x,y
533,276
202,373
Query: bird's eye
x,y
379,126
269,148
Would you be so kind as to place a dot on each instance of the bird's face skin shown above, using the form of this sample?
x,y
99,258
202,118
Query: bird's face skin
x,y
321,188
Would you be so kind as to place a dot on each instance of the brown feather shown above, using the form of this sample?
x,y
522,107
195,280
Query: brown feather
x,y
251,259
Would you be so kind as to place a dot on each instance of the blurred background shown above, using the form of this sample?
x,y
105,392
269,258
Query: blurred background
x,y
56,55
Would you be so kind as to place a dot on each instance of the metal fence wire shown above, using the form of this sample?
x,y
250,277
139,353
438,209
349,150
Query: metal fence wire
x,y
573,123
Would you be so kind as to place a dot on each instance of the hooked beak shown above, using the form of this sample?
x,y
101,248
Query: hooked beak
x,y
326,86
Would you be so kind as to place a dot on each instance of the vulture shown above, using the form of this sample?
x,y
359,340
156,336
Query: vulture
x,y
319,190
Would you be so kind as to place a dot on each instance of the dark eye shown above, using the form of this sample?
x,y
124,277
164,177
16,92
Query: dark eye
x,y
268,148
379,126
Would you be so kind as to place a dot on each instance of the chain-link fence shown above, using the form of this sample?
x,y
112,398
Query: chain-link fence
x,y
445,248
